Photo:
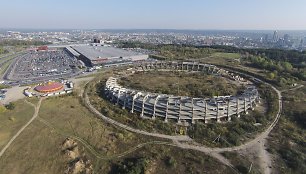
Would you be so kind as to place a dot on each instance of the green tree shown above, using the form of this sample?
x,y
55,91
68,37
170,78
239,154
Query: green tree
x,y
10,106
287,66
271,75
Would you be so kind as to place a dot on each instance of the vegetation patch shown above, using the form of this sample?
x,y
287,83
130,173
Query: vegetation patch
x,y
238,130
199,85
12,120
166,159
287,142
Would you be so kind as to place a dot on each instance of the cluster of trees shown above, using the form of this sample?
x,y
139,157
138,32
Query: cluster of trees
x,y
184,52
288,63
171,51
137,45
281,71
3,51
131,166
295,57
223,135
283,62
264,62
293,158
10,106
299,117
21,43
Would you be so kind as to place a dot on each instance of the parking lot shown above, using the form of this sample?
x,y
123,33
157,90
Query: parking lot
x,y
43,65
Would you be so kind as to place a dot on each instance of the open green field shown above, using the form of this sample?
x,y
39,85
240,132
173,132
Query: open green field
x,y
4,67
226,55
12,120
38,149
181,84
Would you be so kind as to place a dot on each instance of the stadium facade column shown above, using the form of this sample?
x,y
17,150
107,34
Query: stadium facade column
x,y
258,98
124,99
133,102
118,97
205,116
113,95
180,110
154,110
251,104
166,114
237,111
192,119
217,114
228,111
143,104
245,106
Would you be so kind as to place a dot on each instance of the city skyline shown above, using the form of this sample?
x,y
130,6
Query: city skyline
x,y
136,14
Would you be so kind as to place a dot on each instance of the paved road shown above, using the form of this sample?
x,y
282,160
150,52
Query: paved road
x,y
37,107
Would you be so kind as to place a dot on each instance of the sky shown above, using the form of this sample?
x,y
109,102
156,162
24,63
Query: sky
x,y
154,14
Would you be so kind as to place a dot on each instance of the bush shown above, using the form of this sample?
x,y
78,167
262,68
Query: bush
x,y
10,106
170,161
131,166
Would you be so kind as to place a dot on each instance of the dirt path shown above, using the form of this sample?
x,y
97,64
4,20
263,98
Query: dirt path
x,y
292,89
37,107
264,158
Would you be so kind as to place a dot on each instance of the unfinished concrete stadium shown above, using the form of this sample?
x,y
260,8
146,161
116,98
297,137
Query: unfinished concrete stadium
x,y
182,108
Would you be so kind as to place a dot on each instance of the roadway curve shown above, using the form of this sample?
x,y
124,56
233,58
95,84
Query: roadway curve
x,y
37,107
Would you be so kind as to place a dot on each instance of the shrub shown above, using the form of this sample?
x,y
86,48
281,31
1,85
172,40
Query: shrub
x,y
10,106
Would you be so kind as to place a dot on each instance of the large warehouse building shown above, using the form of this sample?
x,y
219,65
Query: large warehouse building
x,y
107,56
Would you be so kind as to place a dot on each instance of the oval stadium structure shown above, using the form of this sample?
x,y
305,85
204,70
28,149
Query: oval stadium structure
x,y
181,108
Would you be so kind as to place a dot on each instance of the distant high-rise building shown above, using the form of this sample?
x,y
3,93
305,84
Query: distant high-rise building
x,y
275,36
301,43
266,38
286,38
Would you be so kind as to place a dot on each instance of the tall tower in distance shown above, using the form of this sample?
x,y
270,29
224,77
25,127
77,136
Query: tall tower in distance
x,y
275,36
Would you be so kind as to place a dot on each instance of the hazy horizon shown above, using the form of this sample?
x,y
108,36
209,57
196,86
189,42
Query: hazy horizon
x,y
157,14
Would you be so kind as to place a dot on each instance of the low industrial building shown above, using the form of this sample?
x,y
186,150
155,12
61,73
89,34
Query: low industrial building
x,y
107,55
